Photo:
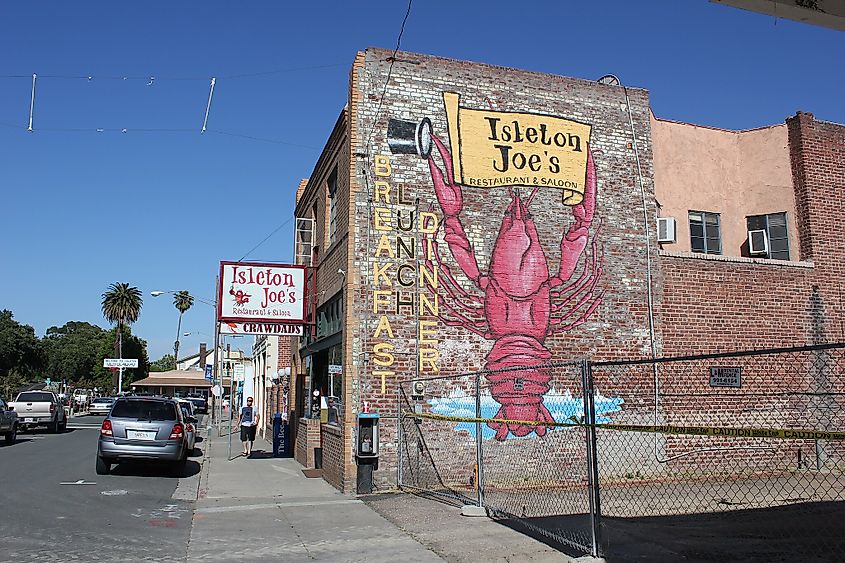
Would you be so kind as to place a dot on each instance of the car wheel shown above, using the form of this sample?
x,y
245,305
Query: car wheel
x,y
53,427
63,426
12,435
103,466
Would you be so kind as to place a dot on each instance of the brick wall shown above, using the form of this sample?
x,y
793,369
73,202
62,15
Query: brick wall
x,y
618,325
701,304
307,436
333,457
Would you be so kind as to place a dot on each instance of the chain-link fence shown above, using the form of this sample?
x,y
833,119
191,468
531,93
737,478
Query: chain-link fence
x,y
721,456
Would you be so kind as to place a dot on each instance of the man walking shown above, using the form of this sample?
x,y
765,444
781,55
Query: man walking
x,y
248,421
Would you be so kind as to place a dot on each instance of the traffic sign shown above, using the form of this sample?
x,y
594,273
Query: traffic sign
x,y
209,375
239,372
120,362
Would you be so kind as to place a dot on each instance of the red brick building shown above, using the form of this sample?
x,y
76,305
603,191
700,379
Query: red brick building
x,y
464,216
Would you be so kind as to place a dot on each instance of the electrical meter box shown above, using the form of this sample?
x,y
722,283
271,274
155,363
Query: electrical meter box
x,y
366,447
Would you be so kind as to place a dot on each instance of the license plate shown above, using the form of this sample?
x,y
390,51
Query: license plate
x,y
29,420
140,435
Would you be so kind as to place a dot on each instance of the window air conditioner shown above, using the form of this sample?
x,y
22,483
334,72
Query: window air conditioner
x,y
665,229
758,242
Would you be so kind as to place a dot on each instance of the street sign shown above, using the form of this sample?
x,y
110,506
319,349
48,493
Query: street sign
x,y
47,381
209,373
120,362
239,372
216,391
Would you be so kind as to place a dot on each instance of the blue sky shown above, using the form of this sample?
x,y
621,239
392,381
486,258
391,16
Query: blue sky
x,y
160,208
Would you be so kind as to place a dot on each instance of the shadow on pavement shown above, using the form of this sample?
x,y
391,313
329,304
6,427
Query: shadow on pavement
x,y
141,469
196,453
20,440
43,432
784,533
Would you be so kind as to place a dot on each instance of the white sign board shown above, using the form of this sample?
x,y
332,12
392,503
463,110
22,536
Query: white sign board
x,y
271,329
251,291
726,377
239,372
335,369
120,363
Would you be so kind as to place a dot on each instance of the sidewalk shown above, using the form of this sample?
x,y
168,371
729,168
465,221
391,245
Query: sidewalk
x,y
266,509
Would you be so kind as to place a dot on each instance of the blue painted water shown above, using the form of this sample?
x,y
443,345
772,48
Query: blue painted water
x,y
562,406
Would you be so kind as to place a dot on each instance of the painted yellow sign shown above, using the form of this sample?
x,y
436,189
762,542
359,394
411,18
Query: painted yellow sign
x,y
497,148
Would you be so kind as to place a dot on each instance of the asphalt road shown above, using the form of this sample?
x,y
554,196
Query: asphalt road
x,y
54,507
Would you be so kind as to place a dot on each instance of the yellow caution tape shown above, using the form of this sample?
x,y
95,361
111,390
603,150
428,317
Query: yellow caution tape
x,y
780,433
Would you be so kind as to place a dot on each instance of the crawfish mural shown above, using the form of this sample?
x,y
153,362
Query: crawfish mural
x,y
521,303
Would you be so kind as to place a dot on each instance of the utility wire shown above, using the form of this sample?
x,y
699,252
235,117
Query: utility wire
x,y
261,139
265,239
156,78
387,80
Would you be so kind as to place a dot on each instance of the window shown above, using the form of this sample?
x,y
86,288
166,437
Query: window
x,y
332,188
705,232
144,410
775,226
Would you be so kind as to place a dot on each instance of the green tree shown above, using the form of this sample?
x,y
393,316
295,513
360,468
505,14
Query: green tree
x,y
182,300
133,347
72,350
121,306
22,356
165,363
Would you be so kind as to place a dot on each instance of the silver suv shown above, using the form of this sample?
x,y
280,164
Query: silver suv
x,y
143,428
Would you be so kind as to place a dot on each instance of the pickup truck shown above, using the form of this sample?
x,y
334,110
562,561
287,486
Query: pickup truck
x,y
40,408
8,422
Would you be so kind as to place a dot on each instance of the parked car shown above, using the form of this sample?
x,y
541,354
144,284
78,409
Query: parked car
x,y
40,408
8,422
101,405
200,404
190,427
143,428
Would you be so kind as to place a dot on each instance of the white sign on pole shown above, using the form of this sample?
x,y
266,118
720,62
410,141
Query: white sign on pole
x,y
252,291
271,329
216,391
120,362
239,372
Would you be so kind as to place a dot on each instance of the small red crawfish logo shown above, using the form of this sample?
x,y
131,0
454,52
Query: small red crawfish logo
x,y
240,296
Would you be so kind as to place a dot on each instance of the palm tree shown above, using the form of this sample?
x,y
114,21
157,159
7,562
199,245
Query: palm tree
x,y
183,301
121,305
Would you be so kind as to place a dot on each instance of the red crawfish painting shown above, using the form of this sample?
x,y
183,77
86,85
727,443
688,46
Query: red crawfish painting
x,y
519,302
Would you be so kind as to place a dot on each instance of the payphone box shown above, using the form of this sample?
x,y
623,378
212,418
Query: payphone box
x,y
366,446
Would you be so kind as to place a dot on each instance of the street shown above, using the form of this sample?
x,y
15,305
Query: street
x,y
55,507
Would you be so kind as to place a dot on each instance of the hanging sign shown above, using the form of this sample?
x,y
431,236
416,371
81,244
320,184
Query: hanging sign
x,y
252,291
271,329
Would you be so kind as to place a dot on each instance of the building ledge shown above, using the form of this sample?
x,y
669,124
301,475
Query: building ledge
x,y
737,259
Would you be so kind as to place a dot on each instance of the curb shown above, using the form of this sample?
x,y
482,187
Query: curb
x,y
202,488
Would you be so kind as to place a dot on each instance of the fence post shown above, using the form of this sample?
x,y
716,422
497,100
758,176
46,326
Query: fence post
x,y
592,454
399,433
479,480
